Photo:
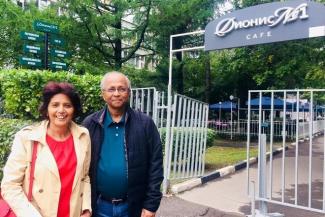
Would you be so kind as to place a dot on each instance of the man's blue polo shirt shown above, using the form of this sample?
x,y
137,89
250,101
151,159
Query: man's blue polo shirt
x,y
111,171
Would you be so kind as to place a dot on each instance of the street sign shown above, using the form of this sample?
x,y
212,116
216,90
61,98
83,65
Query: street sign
x,y
59,53
58,65
45,27
32,49
31,36
57,41
30,61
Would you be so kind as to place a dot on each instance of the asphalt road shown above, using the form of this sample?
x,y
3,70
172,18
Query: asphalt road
x,y
228,194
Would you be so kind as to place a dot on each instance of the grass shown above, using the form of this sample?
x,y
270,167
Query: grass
x,y
218,156
225,152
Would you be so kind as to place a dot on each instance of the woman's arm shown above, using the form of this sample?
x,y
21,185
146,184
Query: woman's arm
x,y
13,178
86,203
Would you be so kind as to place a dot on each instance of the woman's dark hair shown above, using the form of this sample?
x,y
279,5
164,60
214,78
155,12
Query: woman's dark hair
x,y
52,88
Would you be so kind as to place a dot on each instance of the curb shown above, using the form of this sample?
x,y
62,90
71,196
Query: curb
x,y
187,185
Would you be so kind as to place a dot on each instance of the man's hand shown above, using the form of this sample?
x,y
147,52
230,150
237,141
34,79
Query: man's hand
x,y
147,213
85,213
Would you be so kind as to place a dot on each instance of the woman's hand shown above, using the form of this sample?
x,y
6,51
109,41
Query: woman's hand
x,y
147,213
86,213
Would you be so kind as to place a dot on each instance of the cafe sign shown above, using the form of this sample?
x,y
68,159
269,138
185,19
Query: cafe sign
x,y
266,23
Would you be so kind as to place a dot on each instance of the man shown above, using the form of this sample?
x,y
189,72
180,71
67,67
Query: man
x,y
126,161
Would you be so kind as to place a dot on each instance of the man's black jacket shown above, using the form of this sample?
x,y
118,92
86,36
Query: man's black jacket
x,y
144,159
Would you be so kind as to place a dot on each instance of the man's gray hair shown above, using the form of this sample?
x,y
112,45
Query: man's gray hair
x,y
116,73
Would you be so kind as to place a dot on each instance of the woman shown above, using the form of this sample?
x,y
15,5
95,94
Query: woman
x,y
61,184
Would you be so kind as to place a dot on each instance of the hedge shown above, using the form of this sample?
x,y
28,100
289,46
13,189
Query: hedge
x,y
21,91
8,128
211,135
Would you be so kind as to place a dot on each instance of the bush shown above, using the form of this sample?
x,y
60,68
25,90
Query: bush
x,y
211,135
21,91
8,128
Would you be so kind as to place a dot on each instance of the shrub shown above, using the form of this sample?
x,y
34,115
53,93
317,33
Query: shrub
x,y
21,91
8,128
211,135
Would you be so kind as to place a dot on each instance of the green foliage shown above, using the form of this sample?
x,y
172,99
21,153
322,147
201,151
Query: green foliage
x,y
93,34
144,78
96,30
211,135
21,91
190,15
285,65
13,20
217,157
8,128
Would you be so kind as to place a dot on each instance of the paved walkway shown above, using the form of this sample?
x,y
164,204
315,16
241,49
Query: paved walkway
x,y
229,193
176,207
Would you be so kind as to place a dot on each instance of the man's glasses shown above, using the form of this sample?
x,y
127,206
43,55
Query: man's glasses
x,y
119,90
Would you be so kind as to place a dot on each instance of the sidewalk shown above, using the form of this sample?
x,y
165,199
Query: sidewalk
x,y
229,193
175,207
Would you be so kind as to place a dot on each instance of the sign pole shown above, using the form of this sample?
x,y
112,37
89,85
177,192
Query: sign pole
x,y
46,48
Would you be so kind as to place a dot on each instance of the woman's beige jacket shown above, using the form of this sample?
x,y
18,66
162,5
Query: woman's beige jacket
x,y
46,188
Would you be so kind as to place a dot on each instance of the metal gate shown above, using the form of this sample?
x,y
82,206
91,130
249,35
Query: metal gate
x,y
296,178
151,102
188,134
186,143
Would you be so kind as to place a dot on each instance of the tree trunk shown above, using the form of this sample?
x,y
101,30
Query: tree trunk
x,y
177,44
118,44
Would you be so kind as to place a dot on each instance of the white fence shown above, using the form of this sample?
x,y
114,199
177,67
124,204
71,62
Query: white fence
x,y
188,130
151,102
188,138
296,178
240,128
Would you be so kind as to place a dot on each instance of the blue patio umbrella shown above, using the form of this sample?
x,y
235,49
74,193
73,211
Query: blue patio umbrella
x,y
223,106
266,103
305,107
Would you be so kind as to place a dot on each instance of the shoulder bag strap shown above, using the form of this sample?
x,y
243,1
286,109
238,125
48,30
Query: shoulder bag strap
x,y
32,169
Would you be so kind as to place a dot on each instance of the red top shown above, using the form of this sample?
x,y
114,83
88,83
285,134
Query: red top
x,y
66,160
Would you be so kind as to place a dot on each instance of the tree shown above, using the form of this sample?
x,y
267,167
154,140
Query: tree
x,y
178,16
285,65
13,20
101,30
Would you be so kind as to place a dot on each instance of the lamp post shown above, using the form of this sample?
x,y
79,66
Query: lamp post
x,y
238,114
303,119
220,111
231,97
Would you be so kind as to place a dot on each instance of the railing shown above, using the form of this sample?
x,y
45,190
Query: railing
x,y
296,177
240,128
188,129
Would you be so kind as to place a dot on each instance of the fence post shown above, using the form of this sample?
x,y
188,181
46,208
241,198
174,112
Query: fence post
x,y
262,174
262,208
